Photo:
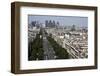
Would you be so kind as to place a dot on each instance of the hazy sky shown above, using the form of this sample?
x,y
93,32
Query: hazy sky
x,y
63,20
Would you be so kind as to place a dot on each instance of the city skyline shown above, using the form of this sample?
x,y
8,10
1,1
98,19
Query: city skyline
x,y
52,42
63,20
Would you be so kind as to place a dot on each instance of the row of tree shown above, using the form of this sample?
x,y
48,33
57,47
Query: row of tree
x,y
60,52
35,48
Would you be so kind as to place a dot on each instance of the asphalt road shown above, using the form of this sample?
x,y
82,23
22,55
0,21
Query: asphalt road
x,y
49,53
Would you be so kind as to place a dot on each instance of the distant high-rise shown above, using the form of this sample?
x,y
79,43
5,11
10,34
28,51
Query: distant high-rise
x,y
50,23
73,28
57,23
33,23
46,23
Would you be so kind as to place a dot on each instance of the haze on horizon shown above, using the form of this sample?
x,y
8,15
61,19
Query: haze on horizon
x,y
63,20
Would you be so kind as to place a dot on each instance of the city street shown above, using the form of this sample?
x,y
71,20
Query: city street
x,y
49,53
51,37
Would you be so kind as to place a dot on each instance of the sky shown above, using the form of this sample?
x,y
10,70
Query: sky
x,y
63,20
